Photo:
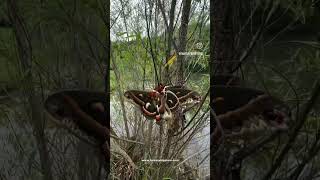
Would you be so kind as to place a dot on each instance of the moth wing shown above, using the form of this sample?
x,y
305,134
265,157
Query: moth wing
x,y
233,97
184,94
172,101
56,106
144,101
138,97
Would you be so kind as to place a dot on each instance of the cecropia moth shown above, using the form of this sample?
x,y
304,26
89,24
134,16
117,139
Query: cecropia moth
x,y
162,100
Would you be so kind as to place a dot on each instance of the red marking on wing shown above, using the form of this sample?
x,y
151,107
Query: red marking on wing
x,y
148,113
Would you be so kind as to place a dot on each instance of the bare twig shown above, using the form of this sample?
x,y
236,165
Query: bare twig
x,y
117,149
121,96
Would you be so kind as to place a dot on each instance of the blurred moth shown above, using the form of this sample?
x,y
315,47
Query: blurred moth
x,y
246,111
84,114
80,111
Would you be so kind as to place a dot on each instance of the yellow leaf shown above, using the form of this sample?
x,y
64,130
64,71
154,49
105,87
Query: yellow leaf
x,y
171,60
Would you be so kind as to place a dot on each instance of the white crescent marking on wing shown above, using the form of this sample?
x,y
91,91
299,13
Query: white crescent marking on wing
x,y
147,105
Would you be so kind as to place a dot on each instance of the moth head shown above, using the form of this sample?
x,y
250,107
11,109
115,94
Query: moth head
x,y
161,88
154,94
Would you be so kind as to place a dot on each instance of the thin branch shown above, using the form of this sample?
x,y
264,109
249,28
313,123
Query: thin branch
x,y
315,148
154,59
255,38
117,74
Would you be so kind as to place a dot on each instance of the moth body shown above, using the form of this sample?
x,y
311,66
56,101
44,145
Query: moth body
x,y
160,102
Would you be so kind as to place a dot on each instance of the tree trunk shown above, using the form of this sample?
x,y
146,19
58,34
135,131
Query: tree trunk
x,y
222,60
183,32
170,32
107,49
222,36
